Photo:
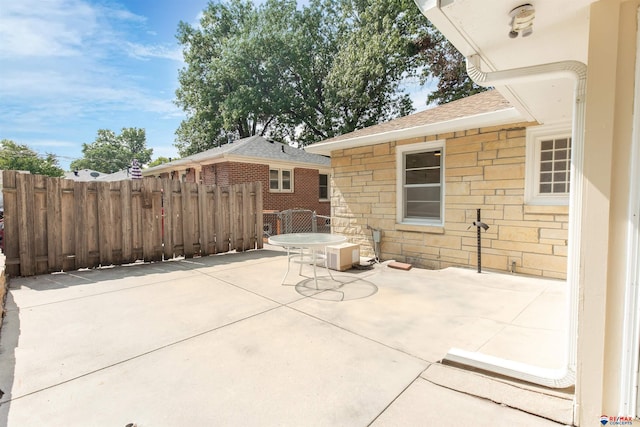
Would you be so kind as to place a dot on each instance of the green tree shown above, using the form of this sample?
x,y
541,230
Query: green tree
x,y
304,74
288,73
110,152
159,161
217,89
444,64
14,156
373,59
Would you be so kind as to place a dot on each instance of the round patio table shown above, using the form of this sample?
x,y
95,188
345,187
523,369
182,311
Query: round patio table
x,y
315,242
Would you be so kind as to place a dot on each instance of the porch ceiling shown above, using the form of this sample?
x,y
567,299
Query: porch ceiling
x,y
560,33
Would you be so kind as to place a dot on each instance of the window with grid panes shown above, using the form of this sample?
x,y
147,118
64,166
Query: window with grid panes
x,y
548,164
280,180
555,165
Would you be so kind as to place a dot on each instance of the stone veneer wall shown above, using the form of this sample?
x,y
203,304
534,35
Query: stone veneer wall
x,y
484,168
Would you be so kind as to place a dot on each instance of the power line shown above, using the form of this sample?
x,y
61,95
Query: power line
x,y
30,154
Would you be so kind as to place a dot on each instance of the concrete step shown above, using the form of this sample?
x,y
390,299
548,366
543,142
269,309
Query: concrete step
x,y
555,405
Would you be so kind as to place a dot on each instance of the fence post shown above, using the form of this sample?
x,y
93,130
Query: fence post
x,y
278,224
287,221
259,216
314,222
53,224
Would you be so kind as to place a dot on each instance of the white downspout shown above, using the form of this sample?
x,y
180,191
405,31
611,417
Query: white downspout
x,y
629,402
566,376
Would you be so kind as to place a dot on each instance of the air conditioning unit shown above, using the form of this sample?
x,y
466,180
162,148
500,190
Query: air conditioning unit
x,y
342,257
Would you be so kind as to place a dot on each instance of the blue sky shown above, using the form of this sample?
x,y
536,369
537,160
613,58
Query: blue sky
x,y
71,67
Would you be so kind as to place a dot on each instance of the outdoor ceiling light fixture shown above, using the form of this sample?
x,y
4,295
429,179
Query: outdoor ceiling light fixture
x,y
522,20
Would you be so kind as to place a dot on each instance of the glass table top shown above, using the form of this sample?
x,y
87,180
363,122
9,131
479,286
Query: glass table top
x,y
306,239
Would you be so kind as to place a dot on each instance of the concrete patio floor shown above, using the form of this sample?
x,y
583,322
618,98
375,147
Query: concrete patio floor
x,y
218,341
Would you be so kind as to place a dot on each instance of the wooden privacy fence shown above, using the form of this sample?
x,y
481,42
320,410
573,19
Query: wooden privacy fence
x,y
54,224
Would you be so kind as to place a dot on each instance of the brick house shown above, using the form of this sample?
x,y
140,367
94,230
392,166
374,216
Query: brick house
x,y
291,177
421,178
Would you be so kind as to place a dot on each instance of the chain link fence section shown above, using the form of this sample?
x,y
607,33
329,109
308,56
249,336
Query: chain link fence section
x,y
295,221
323,224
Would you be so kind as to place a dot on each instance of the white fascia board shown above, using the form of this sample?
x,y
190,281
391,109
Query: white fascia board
x,y
494,118
441,21
271,162
180,164
188,163
436,12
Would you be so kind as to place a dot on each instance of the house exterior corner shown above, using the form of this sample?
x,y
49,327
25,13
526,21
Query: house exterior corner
x,y
484,168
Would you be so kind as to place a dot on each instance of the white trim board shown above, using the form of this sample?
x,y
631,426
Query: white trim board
x,y
494,118
629,396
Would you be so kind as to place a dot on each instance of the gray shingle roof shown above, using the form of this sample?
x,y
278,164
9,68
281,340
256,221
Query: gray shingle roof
x,y
255,147
121,175
83,175
484,102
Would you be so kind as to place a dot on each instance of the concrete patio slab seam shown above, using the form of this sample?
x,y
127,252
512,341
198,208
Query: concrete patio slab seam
x,y
138,356
244,289
397,397
88,296
302,297
522,397
484,398
361,336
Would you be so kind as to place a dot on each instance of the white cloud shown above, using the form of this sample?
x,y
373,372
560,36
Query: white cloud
x,y
32,28
48,143
119,13
69,59
141,51
54,97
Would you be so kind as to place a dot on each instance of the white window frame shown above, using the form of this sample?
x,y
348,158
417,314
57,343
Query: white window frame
x,y
280,171
401,151
328,187
534,137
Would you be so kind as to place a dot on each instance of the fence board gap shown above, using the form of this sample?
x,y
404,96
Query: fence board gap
x,y
25,187
126,201
53,224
